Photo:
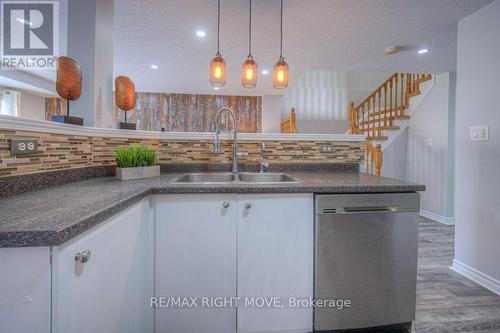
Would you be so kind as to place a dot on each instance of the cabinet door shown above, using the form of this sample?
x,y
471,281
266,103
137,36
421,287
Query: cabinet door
x,y
110,292
25,290
195,257
275,259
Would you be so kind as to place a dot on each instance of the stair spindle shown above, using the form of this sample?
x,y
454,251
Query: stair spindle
x,y
402,94
408,83
374,116
385,104
379,102
390,103
396,79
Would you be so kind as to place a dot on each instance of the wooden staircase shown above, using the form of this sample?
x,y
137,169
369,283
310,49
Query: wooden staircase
x,y
378,113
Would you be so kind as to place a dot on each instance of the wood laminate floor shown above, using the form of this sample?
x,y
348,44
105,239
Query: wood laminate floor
x,y
446,301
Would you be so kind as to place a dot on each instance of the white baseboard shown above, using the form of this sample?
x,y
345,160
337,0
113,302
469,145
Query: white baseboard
x,y
436,217
473,274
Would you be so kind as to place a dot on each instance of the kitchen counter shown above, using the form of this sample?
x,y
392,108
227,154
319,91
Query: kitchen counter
x,y
52,216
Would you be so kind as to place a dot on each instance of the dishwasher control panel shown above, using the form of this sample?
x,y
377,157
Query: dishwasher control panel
x,y
364,203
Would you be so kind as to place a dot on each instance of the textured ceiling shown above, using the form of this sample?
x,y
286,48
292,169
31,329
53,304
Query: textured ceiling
x,y
325,34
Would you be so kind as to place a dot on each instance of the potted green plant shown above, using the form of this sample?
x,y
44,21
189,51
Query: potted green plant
x,y
136,162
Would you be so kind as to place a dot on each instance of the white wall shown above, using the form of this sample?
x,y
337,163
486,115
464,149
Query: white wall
x,y
32,106
477,232
423,153
90,43
428,147
361,84
395,162
321,98
271,114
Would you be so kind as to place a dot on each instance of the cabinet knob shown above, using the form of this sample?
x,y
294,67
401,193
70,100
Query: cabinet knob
x,y
248,205
83,256
225,204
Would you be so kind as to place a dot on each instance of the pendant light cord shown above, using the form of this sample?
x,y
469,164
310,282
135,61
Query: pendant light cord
x,y
281,29
218,25
250,32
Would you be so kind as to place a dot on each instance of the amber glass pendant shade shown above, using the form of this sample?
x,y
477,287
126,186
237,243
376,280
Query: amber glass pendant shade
x,y
218,65
280,74
249,73
218,71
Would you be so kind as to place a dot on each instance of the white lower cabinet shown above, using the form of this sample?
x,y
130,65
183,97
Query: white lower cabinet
x,y
255,247
109,292
25,290
195,257
205,248
275,262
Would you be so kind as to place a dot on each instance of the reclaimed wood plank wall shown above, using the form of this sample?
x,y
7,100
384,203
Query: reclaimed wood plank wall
x,y
191,113
54,107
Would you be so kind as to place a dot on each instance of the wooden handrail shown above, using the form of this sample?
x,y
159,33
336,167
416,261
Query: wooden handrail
x,y
379,88
379,110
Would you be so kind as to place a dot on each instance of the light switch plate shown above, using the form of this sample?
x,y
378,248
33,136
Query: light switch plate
x,y
23,146
479,133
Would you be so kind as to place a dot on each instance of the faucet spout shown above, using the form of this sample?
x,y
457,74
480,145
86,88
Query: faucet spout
x,y
230,112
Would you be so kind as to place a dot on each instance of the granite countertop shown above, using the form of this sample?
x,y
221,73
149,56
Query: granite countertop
x,y
52,216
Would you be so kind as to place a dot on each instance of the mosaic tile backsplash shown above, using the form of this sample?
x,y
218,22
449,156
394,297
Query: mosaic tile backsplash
x,y
60,152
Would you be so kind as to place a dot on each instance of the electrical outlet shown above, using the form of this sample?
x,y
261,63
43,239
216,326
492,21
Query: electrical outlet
x,y
23,146
326,149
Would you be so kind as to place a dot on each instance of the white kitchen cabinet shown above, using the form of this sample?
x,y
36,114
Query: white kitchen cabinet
x,y
206,250
275,259
25,289
193,245
195,257
111,291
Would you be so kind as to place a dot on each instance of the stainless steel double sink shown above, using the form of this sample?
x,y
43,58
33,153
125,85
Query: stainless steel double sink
x,y
230,178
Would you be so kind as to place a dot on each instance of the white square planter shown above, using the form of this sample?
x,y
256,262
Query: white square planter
x,y
137,173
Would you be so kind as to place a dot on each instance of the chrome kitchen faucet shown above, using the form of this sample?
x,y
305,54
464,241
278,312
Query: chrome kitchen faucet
x,y
217,148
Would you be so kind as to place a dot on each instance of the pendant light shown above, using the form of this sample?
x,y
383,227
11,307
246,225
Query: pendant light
x,y
249,67
218,65
280,72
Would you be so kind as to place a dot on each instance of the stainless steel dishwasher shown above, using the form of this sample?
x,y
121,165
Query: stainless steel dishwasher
x,y
366,249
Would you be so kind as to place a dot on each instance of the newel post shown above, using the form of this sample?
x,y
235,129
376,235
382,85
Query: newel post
x,y
378,159
368,156
353,119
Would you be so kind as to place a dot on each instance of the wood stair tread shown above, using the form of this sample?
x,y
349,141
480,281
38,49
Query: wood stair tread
x,y
381,122
388,128
389,111
382,128
423,79
404,116
377,138
413,93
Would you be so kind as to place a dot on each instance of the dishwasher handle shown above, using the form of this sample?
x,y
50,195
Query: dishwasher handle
x,y
373,209
366,209
328,204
